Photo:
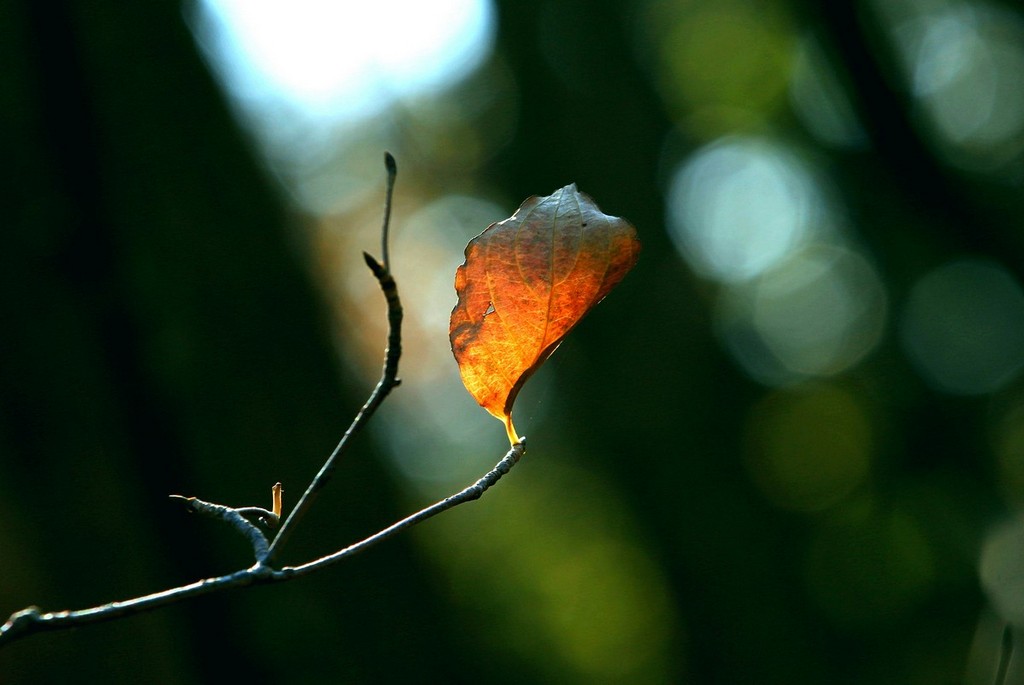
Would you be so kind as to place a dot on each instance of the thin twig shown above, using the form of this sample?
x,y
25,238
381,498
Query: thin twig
x,y
388,380
29,621
392,169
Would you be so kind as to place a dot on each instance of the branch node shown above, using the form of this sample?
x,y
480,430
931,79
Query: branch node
x,y
261,570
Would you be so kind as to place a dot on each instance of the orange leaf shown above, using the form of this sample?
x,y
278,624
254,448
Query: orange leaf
x,y
525,283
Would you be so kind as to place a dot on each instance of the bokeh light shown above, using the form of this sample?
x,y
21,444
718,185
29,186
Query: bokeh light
x,y
568,579
817,314
967,66
1001,569
739,206
328,60
314,81
750,45
963,327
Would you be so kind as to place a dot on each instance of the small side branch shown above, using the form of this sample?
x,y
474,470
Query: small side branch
x,y
32,620
237,519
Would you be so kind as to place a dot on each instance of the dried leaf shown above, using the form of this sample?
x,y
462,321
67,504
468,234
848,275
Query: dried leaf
x,y
525,283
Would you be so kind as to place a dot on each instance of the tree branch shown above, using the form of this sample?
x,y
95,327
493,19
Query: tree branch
x,y
33,620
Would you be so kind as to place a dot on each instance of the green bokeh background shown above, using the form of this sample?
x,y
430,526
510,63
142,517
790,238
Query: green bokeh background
x,y
162,331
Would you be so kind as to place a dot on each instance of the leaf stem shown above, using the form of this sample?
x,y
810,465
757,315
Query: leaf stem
x,y
511,430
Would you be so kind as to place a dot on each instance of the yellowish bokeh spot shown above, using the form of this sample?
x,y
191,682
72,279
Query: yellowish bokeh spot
x,y
552,566
808,447
731,58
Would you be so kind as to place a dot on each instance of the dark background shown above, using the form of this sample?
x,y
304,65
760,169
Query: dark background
x,y
162,332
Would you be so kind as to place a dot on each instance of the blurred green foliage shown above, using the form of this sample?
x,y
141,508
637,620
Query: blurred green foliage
x,y
775,454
